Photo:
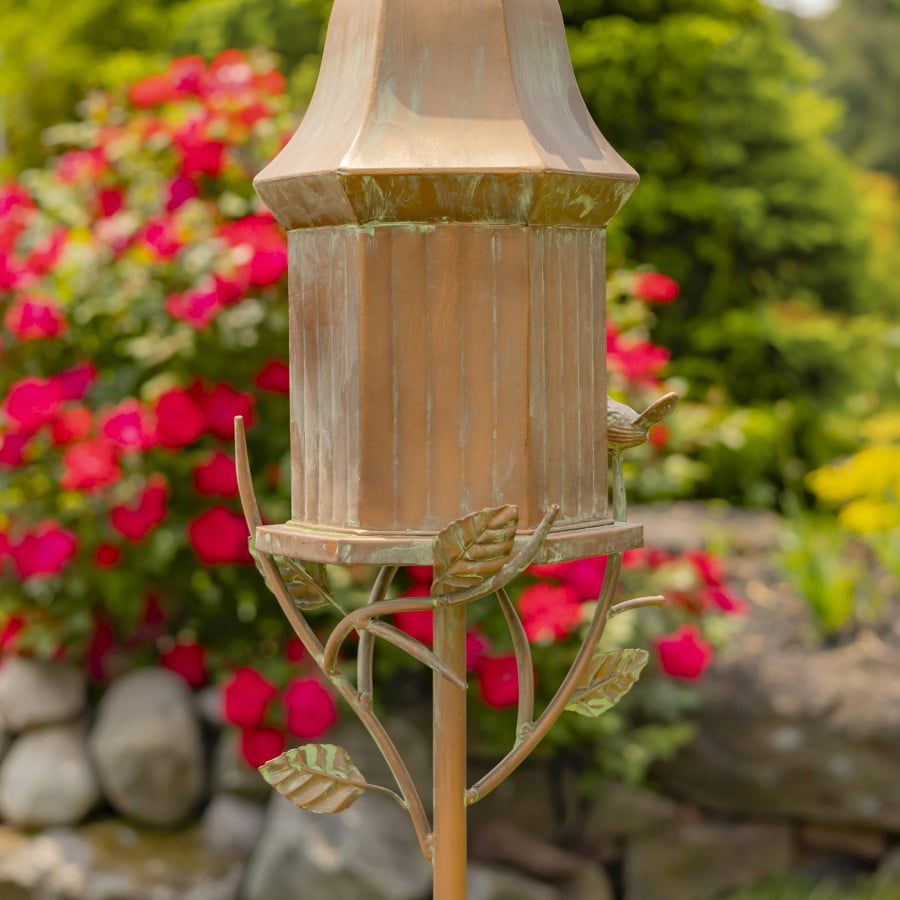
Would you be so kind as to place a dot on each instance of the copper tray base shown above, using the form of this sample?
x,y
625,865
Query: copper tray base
x,y
359,548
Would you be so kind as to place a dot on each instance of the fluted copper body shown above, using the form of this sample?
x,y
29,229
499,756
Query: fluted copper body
x,y
446,198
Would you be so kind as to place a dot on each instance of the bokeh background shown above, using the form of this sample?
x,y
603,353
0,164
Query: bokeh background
x,y
143,304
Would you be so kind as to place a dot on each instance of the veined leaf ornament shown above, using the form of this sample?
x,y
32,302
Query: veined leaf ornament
x,y
473,549
615,673
320,778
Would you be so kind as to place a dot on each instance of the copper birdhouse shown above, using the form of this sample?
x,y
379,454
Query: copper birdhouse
x,y
446,198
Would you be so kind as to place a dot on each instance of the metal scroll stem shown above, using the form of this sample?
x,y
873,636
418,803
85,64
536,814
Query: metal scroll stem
x,y
449,732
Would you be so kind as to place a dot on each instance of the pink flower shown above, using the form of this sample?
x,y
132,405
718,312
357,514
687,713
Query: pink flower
x,y
181,189
311,710
44,552
74,383
81,165
217,476
639,362
421,576
110,201
245,698
259,745
267,266
197,308
186,73
160,236
219,536
30,318
655,288
708,567
129,426
46,254
180,421
71,425
275,376
583,576
90,465
199,155
32,402
187,660
135,522
684,653
295,651
549,612
12,448
499,681
221,405
720,599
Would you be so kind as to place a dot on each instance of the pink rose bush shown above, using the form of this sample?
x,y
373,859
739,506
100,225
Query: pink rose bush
x,y
143,307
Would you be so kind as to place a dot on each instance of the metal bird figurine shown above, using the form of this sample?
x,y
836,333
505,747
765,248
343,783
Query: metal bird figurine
x,y
626,428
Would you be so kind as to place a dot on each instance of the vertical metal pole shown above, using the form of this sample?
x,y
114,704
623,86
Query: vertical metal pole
x,y
450,757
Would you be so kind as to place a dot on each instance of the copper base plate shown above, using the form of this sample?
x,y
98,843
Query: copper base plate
x,y
379,549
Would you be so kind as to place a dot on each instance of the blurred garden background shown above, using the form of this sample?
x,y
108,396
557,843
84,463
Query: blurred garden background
x,y
755,271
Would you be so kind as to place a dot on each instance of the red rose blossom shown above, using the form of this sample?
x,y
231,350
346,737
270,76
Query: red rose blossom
x,y
12,448
74,383
245,698
294,650
655,288
90,466
31,402
684,653
129,426
259,745
187,660
179,420
217,476
44,552
549,611
181,189
32,317
275,376
220,536
221,405
477,646
499,680
106,556
197,308
71,425
136,521
153,90
311,709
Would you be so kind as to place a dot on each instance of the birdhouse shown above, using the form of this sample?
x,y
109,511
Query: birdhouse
x,y
446,198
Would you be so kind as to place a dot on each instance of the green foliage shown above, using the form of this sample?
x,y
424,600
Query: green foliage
x,y
798,888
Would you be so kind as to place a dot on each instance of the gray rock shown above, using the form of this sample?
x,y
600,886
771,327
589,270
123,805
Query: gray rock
x,y
591,883
230,772
367,852
703,860
811,736
109,861
47,778
232,824
148,749
35,693
623,810
208,703
485,882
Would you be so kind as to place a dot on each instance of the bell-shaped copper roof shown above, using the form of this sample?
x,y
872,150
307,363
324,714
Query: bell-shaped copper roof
x,y
446,110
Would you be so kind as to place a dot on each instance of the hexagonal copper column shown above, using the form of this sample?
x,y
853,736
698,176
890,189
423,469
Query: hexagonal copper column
x,y
446,198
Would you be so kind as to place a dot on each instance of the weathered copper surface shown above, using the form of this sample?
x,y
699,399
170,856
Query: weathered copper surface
x,y
446,110
445,197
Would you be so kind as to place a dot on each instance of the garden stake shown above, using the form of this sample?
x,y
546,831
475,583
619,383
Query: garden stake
x,y
446,198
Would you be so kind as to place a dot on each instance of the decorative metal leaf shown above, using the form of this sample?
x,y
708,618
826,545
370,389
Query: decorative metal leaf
x,y
308,587
473,549
615,674
320,778
307,583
